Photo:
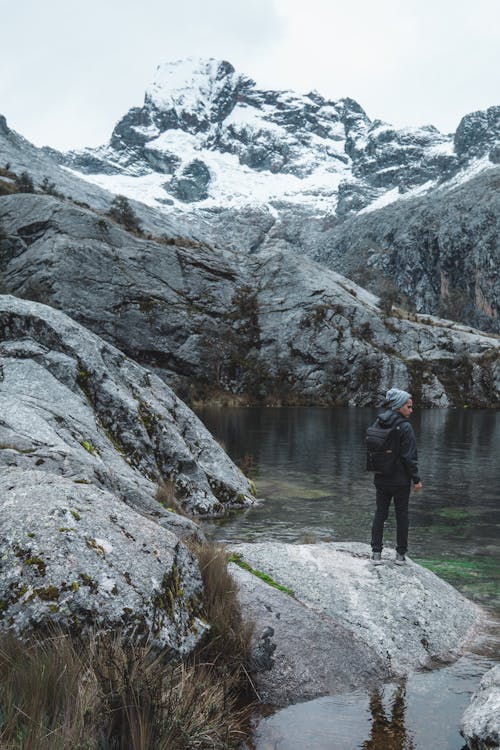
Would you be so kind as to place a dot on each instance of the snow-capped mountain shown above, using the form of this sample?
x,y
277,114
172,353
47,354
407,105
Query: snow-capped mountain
x,y
211,158
206,135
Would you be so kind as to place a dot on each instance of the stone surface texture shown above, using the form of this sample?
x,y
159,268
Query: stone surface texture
x,y
73,405
78,556
378,620
86,437
481,721
299,653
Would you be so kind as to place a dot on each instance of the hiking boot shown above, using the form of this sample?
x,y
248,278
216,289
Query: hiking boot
x,y
376,558
400,559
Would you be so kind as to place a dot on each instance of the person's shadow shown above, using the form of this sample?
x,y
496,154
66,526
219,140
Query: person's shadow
x,y
389,732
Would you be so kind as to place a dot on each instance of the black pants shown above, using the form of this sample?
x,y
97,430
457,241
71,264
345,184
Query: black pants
x,y
401,496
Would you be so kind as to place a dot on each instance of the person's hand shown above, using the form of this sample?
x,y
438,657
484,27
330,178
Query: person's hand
x,y
417,487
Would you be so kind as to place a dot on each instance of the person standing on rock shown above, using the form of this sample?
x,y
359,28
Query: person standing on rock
x,y
395,479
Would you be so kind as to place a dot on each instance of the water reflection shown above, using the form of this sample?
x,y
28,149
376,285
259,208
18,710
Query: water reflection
x,y
422,713
388,732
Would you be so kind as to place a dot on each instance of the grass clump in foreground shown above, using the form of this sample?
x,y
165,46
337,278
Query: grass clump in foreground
x,y
105,692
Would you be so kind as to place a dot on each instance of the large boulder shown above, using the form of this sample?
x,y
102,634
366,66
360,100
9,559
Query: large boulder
x,y
86,437
73,405
298,653
481,721
78,556
344,622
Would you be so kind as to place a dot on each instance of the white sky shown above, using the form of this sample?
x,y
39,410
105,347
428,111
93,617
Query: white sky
x,y
70,69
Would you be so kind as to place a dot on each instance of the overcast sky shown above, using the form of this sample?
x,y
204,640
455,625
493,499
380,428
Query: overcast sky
x,y
70,70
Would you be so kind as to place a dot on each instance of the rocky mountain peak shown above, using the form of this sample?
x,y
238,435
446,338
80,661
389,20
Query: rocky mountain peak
x,y
222,140
478,132
241,166
198,91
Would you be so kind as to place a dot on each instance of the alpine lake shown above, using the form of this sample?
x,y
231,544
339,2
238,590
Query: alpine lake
x,y
308,464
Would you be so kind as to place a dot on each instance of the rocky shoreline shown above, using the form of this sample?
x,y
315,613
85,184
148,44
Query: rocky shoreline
x,y
86,436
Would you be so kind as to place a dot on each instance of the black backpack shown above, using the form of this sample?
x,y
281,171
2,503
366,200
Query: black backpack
x,y
382,444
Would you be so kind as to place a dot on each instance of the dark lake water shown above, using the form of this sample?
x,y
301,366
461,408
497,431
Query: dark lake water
x,y
309,467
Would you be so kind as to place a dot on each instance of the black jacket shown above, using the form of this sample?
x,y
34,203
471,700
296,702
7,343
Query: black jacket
x,y
406,467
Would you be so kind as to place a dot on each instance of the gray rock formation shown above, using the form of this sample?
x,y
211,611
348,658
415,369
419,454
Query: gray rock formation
x,y
78,556
75,406
191,184
481,721
441,251
271,325
20,155
478,132
298,653
349,620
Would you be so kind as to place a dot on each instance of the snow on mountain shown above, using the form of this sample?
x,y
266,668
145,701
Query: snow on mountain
x,y
212,158
206,137
191,88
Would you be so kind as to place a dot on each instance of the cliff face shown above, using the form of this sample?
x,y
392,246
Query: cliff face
x,y
442,250
273,325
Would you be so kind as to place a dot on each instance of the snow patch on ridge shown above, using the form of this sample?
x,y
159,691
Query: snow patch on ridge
x,y
187,86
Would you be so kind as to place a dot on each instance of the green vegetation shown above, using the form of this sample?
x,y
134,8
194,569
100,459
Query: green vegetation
x,y
109,691
38,563
88,447
238,560
89,581
478,577
7,186
454,514
166,496
24,183
50,188
122,212
92,544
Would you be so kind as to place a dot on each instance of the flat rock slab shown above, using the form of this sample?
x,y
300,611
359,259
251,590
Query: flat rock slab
x,y
349,622
299,653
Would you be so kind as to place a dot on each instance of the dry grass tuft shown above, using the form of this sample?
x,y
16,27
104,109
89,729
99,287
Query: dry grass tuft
x,y
104,692
46,692
166,496
230,636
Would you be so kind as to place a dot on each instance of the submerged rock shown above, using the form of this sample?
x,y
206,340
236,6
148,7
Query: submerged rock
x,y
348,622
481,720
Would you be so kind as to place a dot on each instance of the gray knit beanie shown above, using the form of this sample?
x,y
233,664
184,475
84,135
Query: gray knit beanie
x,y
396,398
